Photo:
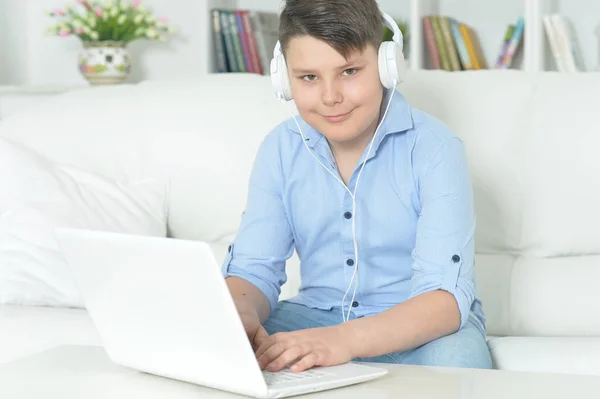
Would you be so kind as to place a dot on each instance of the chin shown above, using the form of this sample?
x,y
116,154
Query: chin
x,y
339,133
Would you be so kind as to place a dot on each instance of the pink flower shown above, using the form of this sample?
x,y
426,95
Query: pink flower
x,y
80,1
59,12
64,33
136,4
98,11
164,20
79,31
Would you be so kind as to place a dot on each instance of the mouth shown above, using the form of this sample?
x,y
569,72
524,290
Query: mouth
x,y
337,118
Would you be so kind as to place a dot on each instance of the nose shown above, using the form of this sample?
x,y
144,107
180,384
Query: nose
x,y
332,93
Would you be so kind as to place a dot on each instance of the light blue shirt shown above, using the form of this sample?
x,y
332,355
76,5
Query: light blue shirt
x,y
415,218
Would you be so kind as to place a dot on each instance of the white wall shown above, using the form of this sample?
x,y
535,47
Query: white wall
x,y
27,57
30,58
3,48
12,41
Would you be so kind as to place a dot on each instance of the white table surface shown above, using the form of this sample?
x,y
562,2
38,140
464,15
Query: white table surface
x,y
86,372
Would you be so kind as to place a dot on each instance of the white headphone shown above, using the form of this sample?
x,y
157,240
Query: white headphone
x,y
392,66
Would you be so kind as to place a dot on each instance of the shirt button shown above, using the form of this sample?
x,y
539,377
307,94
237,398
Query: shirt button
x,y
350,262
455,258
348,215
354,304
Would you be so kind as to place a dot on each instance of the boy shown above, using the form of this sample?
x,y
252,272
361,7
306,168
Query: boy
x,y
413,215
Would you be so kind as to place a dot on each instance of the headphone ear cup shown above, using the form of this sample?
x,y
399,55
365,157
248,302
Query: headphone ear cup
x,y
280,79
400,64
392,66
384,76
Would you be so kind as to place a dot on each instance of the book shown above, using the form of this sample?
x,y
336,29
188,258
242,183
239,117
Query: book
x,y
479,54
255,59
555,46
227,38
513,45
449,42
219,44
510,29
434,55
237,45
470,46
452,45
568,43
243,40
440,43
463,54
265,26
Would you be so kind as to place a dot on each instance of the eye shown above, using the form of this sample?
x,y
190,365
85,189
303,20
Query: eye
x,y
309,78
350,72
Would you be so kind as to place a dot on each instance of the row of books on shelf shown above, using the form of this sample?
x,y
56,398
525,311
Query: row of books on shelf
x,y
244,40
455,46
452,45
563,43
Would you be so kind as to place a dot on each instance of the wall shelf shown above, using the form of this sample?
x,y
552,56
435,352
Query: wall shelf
x,y
490,19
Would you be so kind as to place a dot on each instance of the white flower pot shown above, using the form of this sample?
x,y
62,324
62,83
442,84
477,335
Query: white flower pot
x,y
104,63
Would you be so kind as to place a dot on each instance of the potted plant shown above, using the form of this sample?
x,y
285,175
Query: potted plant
x,y
105,29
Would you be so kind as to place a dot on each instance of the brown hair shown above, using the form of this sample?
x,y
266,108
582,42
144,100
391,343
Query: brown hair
x,y
346,25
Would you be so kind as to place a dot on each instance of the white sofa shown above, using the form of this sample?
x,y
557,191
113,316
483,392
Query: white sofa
x,y
533,144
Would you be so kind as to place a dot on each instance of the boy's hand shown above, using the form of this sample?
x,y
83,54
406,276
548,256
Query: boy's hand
x,y
255,331
303,349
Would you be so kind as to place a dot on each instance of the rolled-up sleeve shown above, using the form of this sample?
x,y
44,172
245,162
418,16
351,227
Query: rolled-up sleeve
x,y
264,240
443,257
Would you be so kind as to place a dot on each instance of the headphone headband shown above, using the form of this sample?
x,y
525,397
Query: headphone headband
x,y
277,50
390,23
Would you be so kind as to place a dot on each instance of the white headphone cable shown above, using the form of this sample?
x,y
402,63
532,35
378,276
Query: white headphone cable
x,y
353,195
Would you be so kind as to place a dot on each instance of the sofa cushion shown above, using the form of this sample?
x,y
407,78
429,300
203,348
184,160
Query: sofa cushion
x,y
564,355
529,297
36,196
200,135
555,296
562,170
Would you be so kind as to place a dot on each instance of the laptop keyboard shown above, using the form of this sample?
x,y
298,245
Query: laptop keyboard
x,y
285,375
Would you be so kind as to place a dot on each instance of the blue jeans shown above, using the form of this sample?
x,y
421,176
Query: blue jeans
x,y
465,348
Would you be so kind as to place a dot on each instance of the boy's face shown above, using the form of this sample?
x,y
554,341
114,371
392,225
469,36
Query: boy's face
x,y
340,98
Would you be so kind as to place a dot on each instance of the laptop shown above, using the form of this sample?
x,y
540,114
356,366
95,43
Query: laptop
x,y
161,306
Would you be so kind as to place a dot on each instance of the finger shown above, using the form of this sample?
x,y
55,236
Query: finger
x,y
307,362
288,357
267,341
271,354
260,337
264,346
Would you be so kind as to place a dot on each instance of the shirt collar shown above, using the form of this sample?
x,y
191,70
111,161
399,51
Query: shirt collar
x,y
398,119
